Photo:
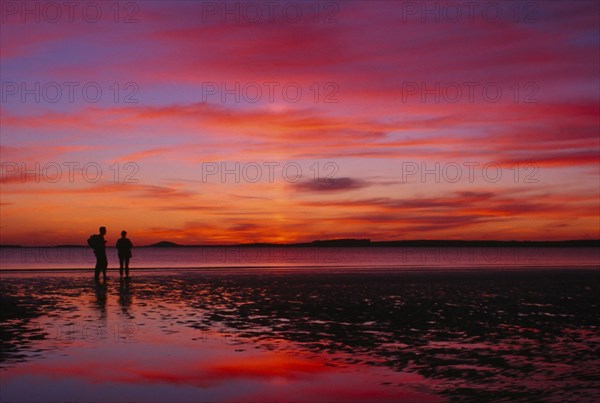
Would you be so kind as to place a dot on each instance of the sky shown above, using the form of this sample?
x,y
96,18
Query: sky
x,y
288,121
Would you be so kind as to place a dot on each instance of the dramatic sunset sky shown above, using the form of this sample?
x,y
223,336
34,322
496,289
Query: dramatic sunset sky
x,y
356,100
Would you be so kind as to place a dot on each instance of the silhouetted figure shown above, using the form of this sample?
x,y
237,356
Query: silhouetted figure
x,y
124,246
98,243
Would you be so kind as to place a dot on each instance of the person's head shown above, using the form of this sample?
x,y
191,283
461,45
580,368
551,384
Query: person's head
x,y
123,234
102,230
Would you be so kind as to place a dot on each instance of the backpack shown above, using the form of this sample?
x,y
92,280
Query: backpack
x,y
93,241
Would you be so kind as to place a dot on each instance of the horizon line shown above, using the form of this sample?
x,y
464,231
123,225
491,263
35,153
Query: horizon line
x,y
341,242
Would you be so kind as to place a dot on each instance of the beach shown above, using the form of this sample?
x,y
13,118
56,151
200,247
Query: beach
x,y
302,335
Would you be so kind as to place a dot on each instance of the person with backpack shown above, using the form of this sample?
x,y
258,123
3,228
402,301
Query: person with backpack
x,y
98,244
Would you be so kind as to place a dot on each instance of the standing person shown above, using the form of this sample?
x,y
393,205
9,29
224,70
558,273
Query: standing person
x,y
124,246
98,243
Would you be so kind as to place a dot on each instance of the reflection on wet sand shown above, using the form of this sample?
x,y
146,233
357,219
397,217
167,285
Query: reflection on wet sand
x,y
478,335
18,327
101,290
125,297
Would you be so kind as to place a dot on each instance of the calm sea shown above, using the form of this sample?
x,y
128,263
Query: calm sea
x,y
71,258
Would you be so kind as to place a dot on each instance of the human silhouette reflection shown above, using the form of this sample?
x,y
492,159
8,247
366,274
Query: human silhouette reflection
x,y
124,247
125,297
101,297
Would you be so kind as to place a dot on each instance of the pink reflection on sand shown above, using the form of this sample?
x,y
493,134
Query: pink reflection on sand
x,y
167,354
214,365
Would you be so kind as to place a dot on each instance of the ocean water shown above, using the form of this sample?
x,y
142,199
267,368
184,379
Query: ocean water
x,y
68,258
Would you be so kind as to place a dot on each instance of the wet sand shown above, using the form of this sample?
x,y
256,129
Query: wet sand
x,y
424,335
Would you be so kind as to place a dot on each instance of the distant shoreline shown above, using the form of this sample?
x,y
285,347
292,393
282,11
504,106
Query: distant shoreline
x,y
337,243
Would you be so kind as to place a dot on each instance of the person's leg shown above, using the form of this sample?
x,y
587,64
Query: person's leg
x,y
127,266
121,261
104,266
97,268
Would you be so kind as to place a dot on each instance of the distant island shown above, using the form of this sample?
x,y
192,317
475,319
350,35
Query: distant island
x,y
351,242
164,244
